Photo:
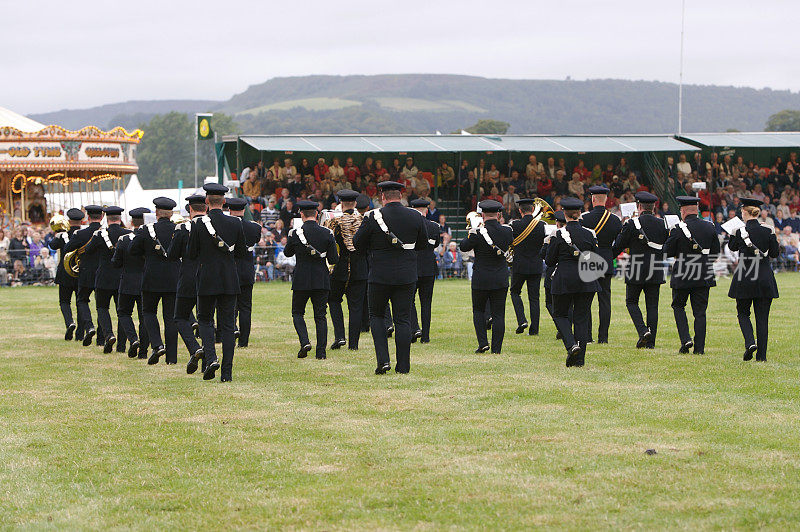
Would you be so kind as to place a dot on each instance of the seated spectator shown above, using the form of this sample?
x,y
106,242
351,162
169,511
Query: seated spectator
x,y
287,212
765,219
335,170
320,169
409,173
535,168
510,199
35,244
683,165
18,246
284,265
495,195
596,175
379,171
351,171
581,170
493,173
433,212
446,177
452,261
269,214
560,185
288,171
296,186
576,185
4,240
790,249
631,183
443,227
251,188
367,169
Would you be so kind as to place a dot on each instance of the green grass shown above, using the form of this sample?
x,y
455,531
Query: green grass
x,y
311,104
465,441
417,104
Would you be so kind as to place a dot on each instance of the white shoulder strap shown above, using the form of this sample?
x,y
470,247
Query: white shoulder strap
x,y
213,232
106,239
638,225
303,240
746,237
688,234
382,224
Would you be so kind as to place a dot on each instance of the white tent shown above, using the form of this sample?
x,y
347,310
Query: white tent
x,y
9,118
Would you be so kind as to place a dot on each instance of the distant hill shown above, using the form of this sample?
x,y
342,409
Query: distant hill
x,y
413,103
127,114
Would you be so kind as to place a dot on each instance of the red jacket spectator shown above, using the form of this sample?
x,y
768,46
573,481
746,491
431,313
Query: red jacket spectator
x,y
320,171
351,172
544,187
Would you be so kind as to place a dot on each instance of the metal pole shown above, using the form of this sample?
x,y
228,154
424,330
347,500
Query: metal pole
x,y
680,75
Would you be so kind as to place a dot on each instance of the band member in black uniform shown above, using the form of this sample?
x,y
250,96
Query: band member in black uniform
x,y
247,269
548,270
67,284
426,275
130,287
569,288
753,283
106,282
695,246
87,270
391,235
215,242
606,227
186,295
643,237
349,275
313,245
362,206
159,282
527,266
489,274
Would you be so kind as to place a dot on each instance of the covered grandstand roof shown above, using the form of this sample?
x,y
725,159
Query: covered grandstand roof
x,y
465,143
9,118
761,139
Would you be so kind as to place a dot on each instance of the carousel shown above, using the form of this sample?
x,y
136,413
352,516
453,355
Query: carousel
x,y
47,169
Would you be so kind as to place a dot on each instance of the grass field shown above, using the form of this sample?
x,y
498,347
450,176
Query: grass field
x,y
465,441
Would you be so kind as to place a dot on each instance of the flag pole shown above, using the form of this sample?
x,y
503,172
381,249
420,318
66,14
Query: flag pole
x,y
195,150
680,75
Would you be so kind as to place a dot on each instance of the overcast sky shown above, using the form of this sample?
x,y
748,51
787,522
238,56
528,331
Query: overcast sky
x,y
81,54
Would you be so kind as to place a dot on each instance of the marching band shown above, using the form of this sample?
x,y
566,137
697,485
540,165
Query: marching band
x,y
379,260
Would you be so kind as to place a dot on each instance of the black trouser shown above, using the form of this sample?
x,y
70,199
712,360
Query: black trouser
x,y
184,319
574,329
400,296
699,300
225,305
65,303
761,307
125,311
517,281
365,309
103,299
425,289
651,293
244,309
604,310
355,291
82,305
150,302
496,299
319,301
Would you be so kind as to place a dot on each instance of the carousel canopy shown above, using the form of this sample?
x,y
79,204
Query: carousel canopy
x,y
9,118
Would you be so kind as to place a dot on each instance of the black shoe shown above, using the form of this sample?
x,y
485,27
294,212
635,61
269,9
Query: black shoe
x,y
424,340
99,340
644,339
581,357
686,347
400,371
604,341
531,332
240,345
389,331
321,356
158,353
191,366
521,327
87,340
108,346
558,335
225,379
696,352
196,329
70,331
133,350
489,324
303,353
210,371
339,342
236,334
573,355
416,336
79,336
749,352
121,347
482,349
380,370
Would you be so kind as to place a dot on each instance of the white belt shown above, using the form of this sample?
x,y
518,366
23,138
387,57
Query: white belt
x,y
688,235
213,232
382,224
638,225
302,236
746,237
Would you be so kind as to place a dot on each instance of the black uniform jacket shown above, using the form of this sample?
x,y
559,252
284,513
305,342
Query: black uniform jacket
x,y
548,270
311,270
527,255
561,256
60,242
179,252
426,259
390,264
753,276
160,273
89,264
130,281
605,232
216,265
490,270
108,275
352,265
646,264
246,264
693,269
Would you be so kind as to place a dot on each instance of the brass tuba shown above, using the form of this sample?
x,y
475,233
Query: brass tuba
x,y
59,223
542,213
72,260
